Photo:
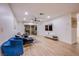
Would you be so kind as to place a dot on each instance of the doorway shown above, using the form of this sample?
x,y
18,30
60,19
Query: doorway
x,y
31,29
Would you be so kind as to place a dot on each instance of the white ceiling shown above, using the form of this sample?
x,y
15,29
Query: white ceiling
x,y
33,9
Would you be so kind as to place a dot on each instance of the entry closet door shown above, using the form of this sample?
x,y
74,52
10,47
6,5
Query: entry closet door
x,y
31,29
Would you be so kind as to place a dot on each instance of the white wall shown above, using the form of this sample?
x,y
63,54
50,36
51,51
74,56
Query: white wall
x,y
78,31
61,28
78,24
20,27
78,27
6,23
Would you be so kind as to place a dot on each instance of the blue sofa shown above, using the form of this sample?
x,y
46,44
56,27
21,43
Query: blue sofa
x,y
12,47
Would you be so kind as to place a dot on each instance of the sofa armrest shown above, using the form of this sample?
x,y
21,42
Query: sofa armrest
x,y
7,43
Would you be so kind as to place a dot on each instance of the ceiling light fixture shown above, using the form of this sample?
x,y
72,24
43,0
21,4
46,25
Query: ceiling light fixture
x,y
48,17
26,13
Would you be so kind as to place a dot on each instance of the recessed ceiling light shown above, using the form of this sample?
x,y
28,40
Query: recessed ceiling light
x,y
26,13
48,17
24,19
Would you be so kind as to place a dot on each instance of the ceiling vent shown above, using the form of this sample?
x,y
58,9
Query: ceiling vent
x,y
41,13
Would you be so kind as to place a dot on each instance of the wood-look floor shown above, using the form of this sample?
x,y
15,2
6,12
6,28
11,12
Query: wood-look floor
x,y
47,47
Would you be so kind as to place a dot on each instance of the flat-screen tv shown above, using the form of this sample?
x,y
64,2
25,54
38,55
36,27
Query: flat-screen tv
x,y
48,27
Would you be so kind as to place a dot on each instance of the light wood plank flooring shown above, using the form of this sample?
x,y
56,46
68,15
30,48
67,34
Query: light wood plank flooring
x,y
46,47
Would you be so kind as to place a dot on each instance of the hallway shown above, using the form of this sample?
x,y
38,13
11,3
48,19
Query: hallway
x,y
47,47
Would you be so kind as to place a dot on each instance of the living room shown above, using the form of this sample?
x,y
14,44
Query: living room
x,y
46,22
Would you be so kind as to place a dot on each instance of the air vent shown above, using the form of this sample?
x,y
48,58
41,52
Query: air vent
x,y
41,13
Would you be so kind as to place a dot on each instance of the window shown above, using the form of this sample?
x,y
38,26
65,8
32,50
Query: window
x,y
48,27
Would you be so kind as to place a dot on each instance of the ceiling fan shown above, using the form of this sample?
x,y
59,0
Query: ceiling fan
x,y
35,19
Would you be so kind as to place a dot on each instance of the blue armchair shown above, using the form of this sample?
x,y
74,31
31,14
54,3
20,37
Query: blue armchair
x,y
12,47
